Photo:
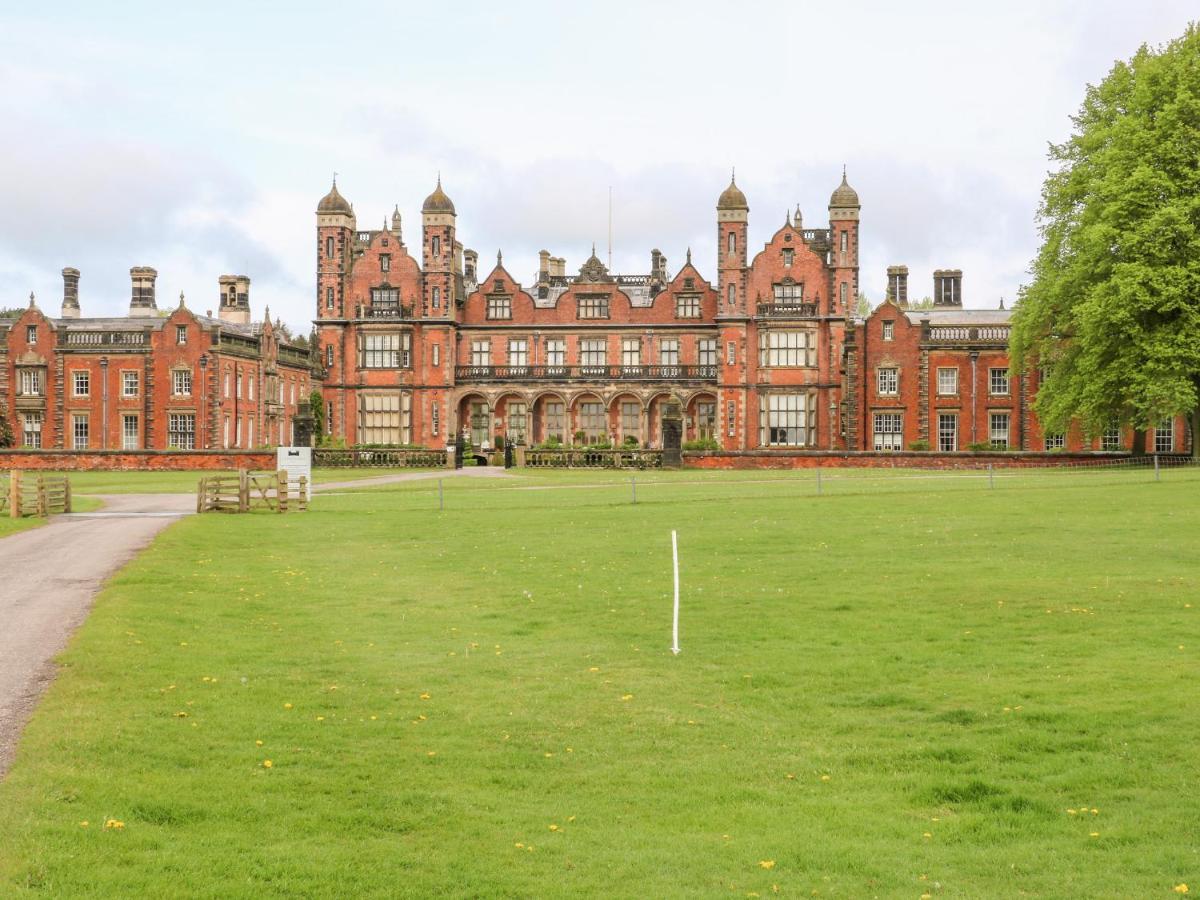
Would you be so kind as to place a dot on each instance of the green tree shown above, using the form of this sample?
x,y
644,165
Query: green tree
x,y
862,306
6,431
1113,311
318,413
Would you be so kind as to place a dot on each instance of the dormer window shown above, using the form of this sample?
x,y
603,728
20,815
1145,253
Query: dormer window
x,y
181,334
788,255
385,262
889,330
31,334
499,307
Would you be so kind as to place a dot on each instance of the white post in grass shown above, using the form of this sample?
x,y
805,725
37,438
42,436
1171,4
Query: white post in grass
x,y
675,617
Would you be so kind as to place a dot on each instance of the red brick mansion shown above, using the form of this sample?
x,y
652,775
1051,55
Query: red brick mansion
x,y
418,343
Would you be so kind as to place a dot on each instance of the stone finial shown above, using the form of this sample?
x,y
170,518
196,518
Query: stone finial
x,y
787,218
1002,303
32,301
181,299
798,220
499,259
689,256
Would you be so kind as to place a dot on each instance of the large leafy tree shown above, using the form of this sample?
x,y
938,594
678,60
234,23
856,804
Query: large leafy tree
x,y
1113,311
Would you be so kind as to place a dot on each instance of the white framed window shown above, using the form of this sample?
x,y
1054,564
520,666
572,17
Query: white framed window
x,y
329,417
130,432
81,383
788,294
668,352
556,354
518,352
947,381
845,241
435,246
889,431
32,383
31,334
181,382
730,353
435,420
517,415
731,243
181,431
998,430
385,298
786,349
80,431
1055,440
251,377
329,298
887,381
789,256
329,247
788,420
328,357
706,352
591,422
593,355
687,306
631,353
499,307
437,354
631,418
998,382
181,334
889,330
1164,436
437,298
130,383
842,291
384,418
555,419
593,306
731,295
385,262
31,429
1111,438
706,419
382,350
947,432
481,353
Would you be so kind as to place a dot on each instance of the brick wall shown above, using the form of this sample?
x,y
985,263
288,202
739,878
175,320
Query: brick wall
x,y
136,460
771,459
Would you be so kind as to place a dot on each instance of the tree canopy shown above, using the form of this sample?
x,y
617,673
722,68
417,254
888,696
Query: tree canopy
x,y
1112,314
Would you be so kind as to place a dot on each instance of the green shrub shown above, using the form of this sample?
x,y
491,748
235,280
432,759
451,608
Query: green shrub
x,y
980,445
919,445
580,437
701,444
630,441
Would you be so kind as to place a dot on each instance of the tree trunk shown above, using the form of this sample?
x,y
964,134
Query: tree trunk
x,y
1139,442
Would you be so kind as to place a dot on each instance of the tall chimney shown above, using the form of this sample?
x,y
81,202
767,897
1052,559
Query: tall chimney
x,y
898,284
235,299
471,266
947,287
70,304
141,300
543,264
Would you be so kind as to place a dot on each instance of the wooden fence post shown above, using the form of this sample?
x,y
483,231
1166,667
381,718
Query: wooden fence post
x,y
14,494
302,498
281,490
42,508
66,493
243,491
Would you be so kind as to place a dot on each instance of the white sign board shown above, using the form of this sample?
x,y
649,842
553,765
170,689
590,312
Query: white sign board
x,y
296,461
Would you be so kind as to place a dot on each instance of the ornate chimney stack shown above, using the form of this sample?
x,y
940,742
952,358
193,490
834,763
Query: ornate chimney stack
x,y
947,287
141,299
70,303
897,289
235,299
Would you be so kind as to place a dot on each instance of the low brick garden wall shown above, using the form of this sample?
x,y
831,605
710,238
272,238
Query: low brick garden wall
x,y
777,459
137,460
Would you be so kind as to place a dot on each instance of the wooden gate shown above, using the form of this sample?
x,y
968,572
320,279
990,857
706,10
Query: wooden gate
x,y
35,494
244,491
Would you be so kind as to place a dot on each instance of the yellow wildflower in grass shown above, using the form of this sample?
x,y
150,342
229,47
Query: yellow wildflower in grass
x,y
824,777
1094,834
1180,888
287,706
114,824
594,669
519,845
424,696
627,696
258,743
570,818
1070,812
431,753
181,715
790,777
267,764
766,863
927,835
553,827
374,718
83,824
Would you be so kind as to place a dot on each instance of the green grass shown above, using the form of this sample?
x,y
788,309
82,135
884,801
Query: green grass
x,y
902,686
116,482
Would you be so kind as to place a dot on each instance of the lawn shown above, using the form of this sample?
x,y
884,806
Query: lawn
x,y
9,525
116,482
907,685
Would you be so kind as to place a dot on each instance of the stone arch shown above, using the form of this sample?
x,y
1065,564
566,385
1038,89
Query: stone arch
x,y
510,414
548,410
619,424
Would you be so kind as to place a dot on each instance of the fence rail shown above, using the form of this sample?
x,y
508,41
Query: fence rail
x,y
583,458
382,458
35,494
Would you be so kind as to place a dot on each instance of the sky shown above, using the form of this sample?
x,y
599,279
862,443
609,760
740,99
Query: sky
x,y
198,138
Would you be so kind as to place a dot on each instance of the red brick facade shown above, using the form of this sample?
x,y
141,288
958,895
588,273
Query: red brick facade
x,y
772,356
152,380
